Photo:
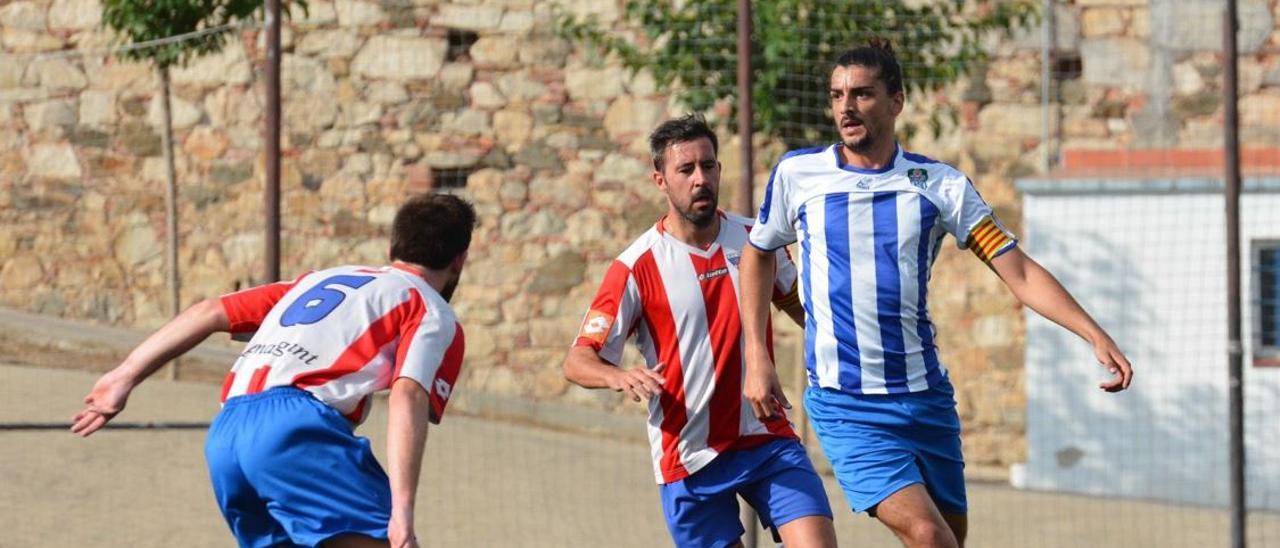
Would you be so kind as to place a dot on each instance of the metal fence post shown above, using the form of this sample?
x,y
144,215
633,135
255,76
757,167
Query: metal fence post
x,y
1235,348
272,146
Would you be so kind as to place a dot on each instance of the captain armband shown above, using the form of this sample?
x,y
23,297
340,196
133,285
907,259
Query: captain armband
x,y
987,240
785,301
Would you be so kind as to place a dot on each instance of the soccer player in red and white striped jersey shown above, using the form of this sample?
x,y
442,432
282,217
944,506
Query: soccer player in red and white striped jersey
x,y
674,292
286,465
396,326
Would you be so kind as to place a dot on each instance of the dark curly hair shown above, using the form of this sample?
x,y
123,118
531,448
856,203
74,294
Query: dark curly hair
x,y
877,54
689,127
432,230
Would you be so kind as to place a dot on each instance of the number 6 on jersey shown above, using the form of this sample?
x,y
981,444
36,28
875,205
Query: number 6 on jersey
x,y
320,300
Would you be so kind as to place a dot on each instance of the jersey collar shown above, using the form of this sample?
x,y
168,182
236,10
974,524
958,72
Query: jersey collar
x,y
661,227
409,269
888,167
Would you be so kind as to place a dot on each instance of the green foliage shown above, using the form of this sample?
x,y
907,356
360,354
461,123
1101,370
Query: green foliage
x,y
136,21
691,45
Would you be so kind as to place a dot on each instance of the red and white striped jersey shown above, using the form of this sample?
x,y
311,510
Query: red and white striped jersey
x,y
343,334
679,304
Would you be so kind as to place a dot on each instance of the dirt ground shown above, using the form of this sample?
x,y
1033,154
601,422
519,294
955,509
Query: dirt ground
x,y
486,483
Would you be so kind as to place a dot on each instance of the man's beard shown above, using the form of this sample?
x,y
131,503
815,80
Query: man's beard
x,y
447,291
861,145
701,219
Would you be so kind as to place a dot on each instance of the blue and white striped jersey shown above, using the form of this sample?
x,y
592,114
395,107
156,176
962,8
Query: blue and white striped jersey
x,y
868,239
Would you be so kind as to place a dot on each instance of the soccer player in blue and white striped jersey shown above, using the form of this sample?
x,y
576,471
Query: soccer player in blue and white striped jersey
x,y
870,219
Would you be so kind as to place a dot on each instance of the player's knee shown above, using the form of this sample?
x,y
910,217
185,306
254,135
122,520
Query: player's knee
x,y
809,532
928,533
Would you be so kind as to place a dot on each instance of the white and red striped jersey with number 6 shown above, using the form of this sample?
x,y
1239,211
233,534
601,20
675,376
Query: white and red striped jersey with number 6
x,y
680,306
343,334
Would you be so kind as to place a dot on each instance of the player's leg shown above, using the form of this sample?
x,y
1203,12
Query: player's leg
x,y
322,482
936,438
932,513
244,510
959,524
788,494
912,516
807,532
874,461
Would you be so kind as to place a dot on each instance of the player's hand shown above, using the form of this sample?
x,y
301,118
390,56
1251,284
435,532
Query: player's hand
x,y
762,389
1110,357
639,383
400,532
104,402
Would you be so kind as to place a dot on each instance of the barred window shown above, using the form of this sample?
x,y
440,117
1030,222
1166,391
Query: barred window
x,y
460,42
450,180
1267,311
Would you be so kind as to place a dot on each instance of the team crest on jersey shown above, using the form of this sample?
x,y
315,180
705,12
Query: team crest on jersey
x,y
732,257
917,176
596,326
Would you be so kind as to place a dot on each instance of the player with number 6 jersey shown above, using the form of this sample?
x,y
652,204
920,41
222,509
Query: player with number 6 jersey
x,y
394,325
286,465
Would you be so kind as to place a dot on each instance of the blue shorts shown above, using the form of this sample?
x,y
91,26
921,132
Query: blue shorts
x,y
777,479
287,469
880,444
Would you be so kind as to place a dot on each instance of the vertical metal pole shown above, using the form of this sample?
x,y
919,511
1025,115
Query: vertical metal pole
x,y
1047,155
170,202
1235,348
271,147
742,198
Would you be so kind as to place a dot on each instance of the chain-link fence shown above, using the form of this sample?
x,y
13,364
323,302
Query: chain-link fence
x,y
1108,170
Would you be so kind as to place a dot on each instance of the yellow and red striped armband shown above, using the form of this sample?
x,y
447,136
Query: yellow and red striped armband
x,y
987,240
786,300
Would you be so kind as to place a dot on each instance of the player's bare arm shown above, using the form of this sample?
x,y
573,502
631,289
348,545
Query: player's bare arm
x,y
760,385
408,414
1038,289
584,368
182,333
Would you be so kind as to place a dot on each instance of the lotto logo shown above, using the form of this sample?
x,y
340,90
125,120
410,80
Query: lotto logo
x,y
443,388
713,274
597,325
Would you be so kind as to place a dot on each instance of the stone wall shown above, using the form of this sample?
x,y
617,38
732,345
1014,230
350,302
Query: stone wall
x,y
383,99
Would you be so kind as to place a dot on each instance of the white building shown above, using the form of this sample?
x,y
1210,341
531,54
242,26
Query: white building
x,y
1147,257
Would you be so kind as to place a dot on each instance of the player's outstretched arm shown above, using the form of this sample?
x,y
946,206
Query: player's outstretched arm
x,y
584,368
409,412
761,386
1039,290
182,333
